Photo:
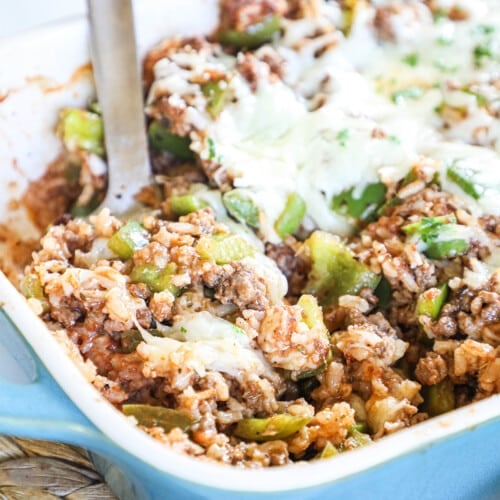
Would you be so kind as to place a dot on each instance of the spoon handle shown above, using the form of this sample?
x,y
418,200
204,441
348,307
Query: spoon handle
x,y
119,90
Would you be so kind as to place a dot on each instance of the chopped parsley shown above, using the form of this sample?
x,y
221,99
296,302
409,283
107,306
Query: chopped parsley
x,y
481,52
211,149
343,136
411,59
463,178
414,92
484,29
183,329
445,68
444,41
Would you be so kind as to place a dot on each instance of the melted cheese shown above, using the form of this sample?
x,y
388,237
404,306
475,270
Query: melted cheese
x,y
203,342
362,111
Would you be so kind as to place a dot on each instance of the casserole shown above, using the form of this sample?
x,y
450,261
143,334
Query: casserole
x,y
77,93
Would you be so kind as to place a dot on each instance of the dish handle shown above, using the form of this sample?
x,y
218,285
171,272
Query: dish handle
x,y
31,403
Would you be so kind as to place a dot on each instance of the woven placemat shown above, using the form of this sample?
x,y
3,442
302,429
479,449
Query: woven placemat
x,y
41,470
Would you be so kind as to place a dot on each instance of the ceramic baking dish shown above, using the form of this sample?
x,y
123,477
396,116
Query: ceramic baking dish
x,y
452,456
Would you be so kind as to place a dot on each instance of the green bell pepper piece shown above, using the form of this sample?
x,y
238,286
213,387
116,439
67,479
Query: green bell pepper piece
x,y
216,94
358,427
440,235
427,226
224,248
130,339
253,36
162,139
32,288
329,451
358,438
431,301
185,204
95,107
155,278
291,217
313,315
157,416
85,210
81,129
440,250
364,207
383,293
129,238
269,429
241,207
439,398
462,177
335,272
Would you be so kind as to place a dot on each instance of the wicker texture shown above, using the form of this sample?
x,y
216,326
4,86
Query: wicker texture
x,y
47,471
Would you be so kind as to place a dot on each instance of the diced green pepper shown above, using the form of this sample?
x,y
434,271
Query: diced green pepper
x,y
95,107
431,301
216,94
291,217
81,129
335,272
329,451
449,249
185,204
383,293
384,209
224,248
157,416
313,315
129,238
462,177
241,207
365,206
296,375
358,439
31,288
162,139
269,429
443,240
157,279
253,36
88,208
439,398
130,339
426,226
358,427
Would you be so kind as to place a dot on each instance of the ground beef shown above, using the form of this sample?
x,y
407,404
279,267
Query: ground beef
x,y
240,14
292,264
431,370
52,194
242,288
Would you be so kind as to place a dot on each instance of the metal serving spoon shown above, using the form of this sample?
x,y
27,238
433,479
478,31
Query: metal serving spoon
x,y
119,89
